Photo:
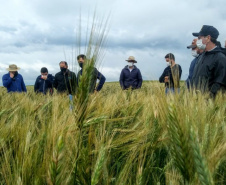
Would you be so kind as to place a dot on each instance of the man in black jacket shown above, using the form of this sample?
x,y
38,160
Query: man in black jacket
x,y
65,80
44,82
171,75
95,75
130,76
210,70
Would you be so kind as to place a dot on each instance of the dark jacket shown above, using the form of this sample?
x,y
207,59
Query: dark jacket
x,y
223,50
210,72
44,86
96,75
174,74
65,82
131,79
15,84
191,70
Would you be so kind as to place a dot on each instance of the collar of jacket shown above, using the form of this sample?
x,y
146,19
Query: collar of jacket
x,y
215,50
134,67
66,73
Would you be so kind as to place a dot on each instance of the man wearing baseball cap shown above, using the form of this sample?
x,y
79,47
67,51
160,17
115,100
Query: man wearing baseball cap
x,y
195,52
13,81
130,76
210,71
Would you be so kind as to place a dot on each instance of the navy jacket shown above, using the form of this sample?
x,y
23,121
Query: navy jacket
x,y
173,83
210,72
131,79
96,75
191,70
15,84
42,85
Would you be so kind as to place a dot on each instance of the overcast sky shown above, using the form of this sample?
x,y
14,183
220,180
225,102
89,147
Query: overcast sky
x,y
40,33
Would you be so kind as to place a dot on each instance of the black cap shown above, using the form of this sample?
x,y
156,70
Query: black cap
x,y
44,70
207,30
193,44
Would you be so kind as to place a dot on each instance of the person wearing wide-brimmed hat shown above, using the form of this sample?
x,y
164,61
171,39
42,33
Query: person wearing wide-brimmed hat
x,y
13,81
130,76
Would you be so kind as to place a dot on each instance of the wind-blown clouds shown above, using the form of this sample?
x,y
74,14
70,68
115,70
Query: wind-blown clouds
x,y
41,33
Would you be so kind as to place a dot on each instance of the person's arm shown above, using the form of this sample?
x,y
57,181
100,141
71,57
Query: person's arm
x,y
162,77
6,81
74,83
219,76
55,83
24,89
121,80
140,80
180,72
36,87
50,80
102,79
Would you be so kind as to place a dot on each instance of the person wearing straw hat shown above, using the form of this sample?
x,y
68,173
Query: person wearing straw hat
x,y
130,76
13,81
195,52
171,75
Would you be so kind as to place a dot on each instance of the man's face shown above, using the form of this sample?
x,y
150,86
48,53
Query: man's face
x,y
13,72
205,39
198,51
44,74
167,60
81,60
62,65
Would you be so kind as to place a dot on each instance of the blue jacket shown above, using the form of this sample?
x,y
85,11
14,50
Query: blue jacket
x,y
130,79
15,84
191,69
42,85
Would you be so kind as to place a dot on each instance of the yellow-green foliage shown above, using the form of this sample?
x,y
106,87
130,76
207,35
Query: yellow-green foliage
x,y
124,137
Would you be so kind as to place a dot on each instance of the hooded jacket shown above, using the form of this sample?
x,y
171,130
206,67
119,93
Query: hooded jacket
x,y
42,85
210,72
65,82
15,84
131,79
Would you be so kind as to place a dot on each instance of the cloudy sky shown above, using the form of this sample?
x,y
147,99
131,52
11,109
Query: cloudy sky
x,y
38,33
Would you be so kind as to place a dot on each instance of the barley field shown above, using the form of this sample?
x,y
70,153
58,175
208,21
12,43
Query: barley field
x,y
113,137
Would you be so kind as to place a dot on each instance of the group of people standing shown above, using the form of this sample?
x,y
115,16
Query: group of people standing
x,y
207,71
64,81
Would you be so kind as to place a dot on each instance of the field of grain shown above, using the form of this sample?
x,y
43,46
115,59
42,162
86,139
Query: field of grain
x,y
113,137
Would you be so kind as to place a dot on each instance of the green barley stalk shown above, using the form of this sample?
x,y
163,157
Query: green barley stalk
x,y
180,145
200,162
98,166
56,164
